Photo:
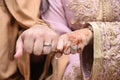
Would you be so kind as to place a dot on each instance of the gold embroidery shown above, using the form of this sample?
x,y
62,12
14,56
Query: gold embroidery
x,y
106,64
115,5
111,51
111,10
84,10
94,10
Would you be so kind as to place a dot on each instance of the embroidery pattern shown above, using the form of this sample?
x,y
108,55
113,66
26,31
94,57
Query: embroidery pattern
x,y
84,10
115,4
89,10
111,51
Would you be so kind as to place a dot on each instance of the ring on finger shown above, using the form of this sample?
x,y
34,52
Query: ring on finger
x,y
75,47
47,44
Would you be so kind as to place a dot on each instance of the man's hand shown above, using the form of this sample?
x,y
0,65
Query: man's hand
x,y
38,40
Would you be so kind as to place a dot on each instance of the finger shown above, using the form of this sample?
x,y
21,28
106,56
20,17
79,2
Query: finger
x,y
80,48
67,51
28,44
38,46
58,55
61,43
54,45
47,46
19,48
81,44
67,48
83,40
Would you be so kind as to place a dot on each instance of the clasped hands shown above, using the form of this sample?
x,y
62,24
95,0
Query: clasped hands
x,y
40,39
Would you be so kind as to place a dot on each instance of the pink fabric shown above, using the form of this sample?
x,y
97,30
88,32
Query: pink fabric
x,y
55,17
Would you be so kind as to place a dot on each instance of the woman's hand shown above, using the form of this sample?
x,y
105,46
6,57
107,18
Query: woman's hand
x,y
73,42
38,40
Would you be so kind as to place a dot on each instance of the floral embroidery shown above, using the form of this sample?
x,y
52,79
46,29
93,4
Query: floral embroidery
x,y
111,51
115,4
84,10
94,10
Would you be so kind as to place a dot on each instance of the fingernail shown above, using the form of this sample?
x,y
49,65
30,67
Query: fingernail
x,y
58,55
16,56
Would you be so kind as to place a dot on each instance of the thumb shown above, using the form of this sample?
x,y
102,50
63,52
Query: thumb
x,y
19,48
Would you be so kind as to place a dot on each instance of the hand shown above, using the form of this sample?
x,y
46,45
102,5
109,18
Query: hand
x,y
73,42
38,40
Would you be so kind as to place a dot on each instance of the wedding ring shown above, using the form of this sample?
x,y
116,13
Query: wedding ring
x,y
47,44
74,47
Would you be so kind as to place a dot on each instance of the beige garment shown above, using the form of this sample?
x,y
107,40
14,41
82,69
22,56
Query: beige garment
x,y
16,16
104,64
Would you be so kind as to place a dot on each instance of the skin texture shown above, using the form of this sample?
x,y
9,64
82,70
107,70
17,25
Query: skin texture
x,y
79,38
31,41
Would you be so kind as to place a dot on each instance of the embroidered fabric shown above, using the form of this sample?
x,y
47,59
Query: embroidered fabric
x,y
110,51
94,10
101,11
106,64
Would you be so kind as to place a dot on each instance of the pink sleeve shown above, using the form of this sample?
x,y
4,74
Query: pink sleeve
x,y
55,17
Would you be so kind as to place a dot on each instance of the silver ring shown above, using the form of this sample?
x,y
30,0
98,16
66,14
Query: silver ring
x,y
74,47
47,44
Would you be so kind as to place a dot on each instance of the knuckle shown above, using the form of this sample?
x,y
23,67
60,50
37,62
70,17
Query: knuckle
x,y
54,34
28,34
39,34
